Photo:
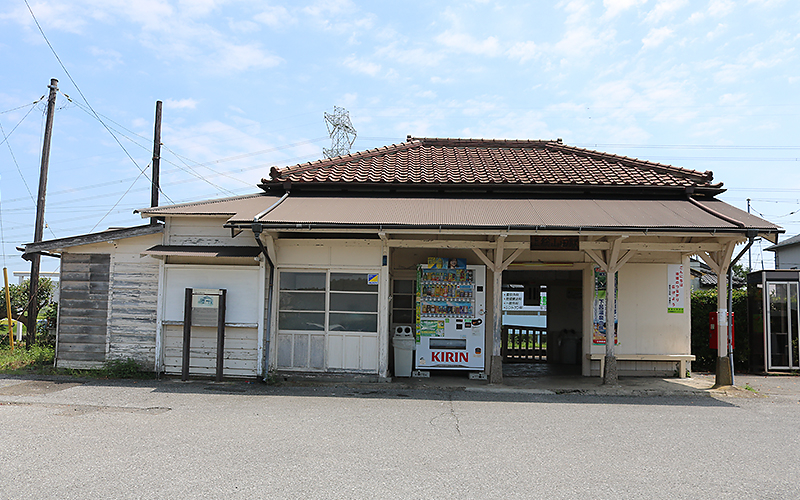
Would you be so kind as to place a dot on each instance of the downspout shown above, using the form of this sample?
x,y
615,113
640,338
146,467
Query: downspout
x,y
751,235
257,230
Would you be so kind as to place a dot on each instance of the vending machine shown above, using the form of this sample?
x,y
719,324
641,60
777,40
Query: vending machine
x,y
451,312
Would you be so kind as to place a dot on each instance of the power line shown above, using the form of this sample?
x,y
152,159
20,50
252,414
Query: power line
x,y
53,50
23,106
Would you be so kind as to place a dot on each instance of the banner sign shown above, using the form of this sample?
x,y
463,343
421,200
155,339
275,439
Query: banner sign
x,y
675,293
599,306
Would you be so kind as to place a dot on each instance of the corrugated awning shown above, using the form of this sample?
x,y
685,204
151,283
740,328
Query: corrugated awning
x,y
500,213
198,251
356,212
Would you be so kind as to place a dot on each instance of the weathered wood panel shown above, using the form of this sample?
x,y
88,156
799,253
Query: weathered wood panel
x,y
240,356
83,311
134,294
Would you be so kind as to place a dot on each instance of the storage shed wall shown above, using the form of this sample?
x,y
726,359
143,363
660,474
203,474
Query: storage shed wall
x,y
108,303
83,310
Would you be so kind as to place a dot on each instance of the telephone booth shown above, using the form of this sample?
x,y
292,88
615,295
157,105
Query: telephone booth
x,y
774,320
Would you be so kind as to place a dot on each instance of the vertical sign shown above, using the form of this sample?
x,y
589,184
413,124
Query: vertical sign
x,y
599,306
675,288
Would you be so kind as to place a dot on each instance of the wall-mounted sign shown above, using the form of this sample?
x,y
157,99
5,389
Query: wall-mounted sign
x,y
205,307
557,243
513,301
373,279
675,288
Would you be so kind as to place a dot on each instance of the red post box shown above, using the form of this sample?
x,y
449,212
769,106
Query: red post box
x,y
712,329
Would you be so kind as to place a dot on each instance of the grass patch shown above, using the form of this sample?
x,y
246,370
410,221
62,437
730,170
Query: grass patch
x,y
39,361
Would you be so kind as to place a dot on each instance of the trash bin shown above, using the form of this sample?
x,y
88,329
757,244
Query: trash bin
x,y
403,342
568,342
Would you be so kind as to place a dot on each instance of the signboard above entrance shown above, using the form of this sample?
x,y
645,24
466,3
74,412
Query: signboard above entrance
x,y
557,243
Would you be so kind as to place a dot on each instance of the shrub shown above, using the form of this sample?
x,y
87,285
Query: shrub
x,y
704,302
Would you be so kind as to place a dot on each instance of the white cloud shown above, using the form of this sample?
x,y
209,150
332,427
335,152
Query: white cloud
x,y
664,8
718,8
244,26
720,30
733,99
233,57
51,15
462,42
524,51
275,17
107,57
180,103
616,7
362,66
656,37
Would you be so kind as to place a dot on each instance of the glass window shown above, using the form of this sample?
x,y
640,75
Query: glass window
x,y
302,301
301,321
403,286
351,282
350,322
354,302
302,281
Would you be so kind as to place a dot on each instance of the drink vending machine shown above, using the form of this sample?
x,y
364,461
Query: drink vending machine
x,y
450,313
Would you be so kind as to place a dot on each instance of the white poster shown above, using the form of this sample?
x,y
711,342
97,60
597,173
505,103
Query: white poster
x,y
675,295
512,301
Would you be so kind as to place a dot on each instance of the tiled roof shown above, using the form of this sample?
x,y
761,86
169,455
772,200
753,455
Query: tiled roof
x,y
427,161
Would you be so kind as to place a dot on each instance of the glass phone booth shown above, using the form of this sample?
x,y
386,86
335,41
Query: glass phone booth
x,y
774,320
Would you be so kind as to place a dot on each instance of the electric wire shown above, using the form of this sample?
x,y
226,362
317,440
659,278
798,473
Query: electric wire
x,y
117,203
6,136
85,100
23,106
188,168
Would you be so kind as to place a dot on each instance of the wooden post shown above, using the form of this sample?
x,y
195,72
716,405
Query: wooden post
x,y
156,172
187,333
38,230
8,311
221,335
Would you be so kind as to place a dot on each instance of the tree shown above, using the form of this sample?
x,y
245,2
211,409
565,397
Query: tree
x,y
20,296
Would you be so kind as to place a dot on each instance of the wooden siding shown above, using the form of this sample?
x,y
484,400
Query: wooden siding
x,y
132,325
83,308
241,351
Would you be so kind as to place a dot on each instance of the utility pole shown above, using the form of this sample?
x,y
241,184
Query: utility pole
x,y
749,257
156,162
38,230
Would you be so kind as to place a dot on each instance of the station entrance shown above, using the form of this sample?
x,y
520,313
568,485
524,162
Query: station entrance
x,y
542,321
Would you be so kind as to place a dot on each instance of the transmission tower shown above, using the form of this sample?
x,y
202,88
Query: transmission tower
x,y
342,132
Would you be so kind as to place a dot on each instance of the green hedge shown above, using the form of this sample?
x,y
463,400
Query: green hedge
x,y
704,302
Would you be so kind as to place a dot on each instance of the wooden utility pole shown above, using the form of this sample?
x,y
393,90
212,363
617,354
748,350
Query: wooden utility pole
x,y
38,230
156,162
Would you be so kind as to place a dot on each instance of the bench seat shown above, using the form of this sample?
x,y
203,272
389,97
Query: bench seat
x,y
681,359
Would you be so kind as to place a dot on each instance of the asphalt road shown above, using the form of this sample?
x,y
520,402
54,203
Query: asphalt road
x,y
236,440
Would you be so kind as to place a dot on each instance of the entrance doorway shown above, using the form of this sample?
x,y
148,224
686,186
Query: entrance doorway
x,y
542,318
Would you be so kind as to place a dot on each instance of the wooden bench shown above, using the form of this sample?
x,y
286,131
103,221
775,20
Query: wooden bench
x,y
681,359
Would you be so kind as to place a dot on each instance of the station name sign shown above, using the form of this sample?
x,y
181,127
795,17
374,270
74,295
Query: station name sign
x,y
555,243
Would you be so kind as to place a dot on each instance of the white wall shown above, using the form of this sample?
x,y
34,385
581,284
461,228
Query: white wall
x,y
645,326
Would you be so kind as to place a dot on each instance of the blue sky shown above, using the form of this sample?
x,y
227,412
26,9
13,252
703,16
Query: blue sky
x,y
706,85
